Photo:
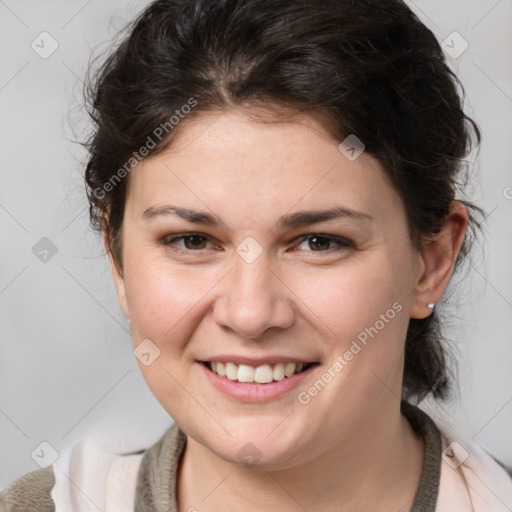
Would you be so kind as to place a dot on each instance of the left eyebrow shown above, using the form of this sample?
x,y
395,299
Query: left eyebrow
x,y
292,220
305,218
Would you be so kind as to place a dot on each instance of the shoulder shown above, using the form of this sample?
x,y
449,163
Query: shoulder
x,y
30,492
471,473
462,473
88,472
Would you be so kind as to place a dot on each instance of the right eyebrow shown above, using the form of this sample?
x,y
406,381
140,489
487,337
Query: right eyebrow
x,y
187,214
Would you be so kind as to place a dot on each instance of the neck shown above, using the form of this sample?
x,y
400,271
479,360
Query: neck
x,y
377,464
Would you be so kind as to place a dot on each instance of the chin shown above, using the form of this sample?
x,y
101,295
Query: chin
x,y
259,456
257,446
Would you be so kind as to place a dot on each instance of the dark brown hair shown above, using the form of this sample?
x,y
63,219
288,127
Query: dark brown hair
x,y
366,67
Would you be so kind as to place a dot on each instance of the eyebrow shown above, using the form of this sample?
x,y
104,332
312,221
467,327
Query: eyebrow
x,y
297,219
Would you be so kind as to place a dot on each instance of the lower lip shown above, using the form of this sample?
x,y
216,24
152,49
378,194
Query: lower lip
x,y
254,392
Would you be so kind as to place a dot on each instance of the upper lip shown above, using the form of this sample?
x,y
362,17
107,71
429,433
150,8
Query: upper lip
x,y
257,361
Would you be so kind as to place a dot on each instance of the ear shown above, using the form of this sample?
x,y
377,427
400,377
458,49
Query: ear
x,y
117,272
439,256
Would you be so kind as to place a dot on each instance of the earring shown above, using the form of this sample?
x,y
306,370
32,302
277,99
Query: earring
x,y
431,305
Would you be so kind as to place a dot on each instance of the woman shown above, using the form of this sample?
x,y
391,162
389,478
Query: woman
x,y
276,183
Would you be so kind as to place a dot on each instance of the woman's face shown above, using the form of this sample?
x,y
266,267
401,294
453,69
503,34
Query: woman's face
x,y
256,286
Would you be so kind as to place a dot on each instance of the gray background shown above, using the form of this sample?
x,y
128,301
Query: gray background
x,y
67,369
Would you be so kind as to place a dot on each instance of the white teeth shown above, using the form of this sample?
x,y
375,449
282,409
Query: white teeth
x,y
262,374
289,369
221,369
231,371
279,371
245,373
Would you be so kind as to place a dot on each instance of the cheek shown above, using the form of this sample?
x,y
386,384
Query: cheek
x,y
164,299
342,302
166,306
361,312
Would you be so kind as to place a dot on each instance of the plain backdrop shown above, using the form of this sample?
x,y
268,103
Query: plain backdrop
x,y
67,368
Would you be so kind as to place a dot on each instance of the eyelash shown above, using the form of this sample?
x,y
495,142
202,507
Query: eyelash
x,y
343,244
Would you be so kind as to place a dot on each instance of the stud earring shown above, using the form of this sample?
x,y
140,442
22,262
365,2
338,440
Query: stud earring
x,y
431,305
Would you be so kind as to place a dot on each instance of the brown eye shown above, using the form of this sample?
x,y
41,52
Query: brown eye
x,y
319,242
322,243
195,241
191,241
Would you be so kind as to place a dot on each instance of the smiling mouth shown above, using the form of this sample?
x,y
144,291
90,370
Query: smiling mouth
x,y
264,374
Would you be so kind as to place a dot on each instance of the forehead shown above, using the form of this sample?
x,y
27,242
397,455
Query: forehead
x,y
230,159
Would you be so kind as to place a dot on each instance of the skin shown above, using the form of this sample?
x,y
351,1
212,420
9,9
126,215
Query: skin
x,y
349,448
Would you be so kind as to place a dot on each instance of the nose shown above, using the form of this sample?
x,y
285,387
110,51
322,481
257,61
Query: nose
x,y
253,299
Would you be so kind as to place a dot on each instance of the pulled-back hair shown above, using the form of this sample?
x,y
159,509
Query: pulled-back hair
x,y
363,67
